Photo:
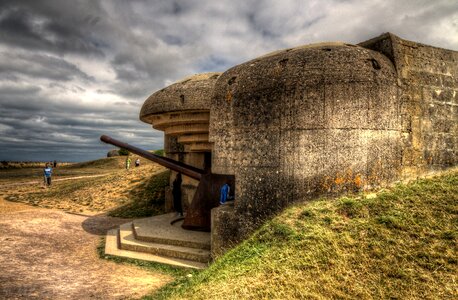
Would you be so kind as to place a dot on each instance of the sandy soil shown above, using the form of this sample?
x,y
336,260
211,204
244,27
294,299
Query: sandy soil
x,y
50,254
88,194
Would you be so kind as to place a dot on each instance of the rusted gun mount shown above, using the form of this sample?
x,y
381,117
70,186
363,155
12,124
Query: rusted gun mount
x,y
208,190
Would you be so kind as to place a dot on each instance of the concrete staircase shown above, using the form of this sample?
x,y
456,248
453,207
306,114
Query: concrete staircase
x,y
160,239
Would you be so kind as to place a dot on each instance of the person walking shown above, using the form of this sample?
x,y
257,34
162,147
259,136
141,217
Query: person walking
x,y
176,192
137,162
47,172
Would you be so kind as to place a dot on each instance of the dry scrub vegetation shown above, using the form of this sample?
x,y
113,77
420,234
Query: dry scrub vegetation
x,y
401,244
92,187
25,164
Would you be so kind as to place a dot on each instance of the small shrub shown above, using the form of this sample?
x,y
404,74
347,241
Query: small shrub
x,y
391,222
449,235
159,152
123,152
307,214
282,231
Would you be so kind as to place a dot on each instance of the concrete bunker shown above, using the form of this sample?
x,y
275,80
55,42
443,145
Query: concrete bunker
x,y
309,121
326,119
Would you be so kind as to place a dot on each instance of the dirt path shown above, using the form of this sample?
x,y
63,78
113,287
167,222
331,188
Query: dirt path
x,y
54,180
49,254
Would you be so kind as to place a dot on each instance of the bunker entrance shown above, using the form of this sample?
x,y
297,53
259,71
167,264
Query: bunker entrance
x,y
207,161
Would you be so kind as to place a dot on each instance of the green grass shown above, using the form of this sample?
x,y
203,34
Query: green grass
x,y
147,199
401,244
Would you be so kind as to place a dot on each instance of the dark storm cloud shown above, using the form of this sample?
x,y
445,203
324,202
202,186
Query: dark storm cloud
x,y
73,70
38,66
51,26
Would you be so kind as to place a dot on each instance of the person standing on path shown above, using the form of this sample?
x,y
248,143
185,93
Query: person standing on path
x,y
127,163
176,192
47,174
137,162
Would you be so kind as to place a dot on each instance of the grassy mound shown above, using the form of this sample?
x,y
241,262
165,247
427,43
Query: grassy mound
x,y
147,199
102,163
401,244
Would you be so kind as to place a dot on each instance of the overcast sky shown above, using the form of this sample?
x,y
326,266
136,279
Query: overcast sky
x,y
73,70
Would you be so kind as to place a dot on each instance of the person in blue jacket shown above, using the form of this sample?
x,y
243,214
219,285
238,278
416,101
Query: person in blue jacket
x,y
47,173
224,196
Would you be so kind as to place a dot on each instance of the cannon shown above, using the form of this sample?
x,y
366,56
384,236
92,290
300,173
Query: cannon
x,y
198,215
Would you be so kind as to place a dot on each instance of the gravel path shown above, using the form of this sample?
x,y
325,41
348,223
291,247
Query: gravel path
x,y
49,254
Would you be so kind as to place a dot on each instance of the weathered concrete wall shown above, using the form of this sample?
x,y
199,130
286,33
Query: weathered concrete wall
x,y
304,122
428,77
191,93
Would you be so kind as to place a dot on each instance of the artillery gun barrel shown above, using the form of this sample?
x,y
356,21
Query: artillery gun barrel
x,y
177,166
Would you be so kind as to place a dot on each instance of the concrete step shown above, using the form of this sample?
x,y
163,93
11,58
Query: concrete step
x,y
129,242
153,230
112,248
